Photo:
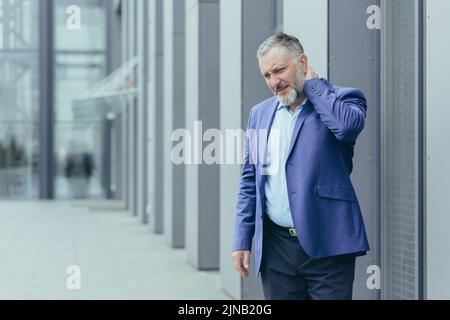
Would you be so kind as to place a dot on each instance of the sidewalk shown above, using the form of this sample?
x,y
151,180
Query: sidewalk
x,y
119,257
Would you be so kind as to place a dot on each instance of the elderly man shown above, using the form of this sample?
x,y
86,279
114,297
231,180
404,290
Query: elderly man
x,y
298,202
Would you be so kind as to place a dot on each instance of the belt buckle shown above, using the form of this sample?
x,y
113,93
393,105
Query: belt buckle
x,y
292,232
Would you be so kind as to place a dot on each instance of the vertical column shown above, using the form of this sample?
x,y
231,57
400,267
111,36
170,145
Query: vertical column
x,y
174,118
150,139
131,106
142,36
111,163
311,29
159,118
256,29
156,109
46,121
124,112
360,68
124,14
117,146
231,115
437,239
202,104
114,36
242,87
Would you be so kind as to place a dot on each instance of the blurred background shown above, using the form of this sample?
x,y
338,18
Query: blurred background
x,y
91,91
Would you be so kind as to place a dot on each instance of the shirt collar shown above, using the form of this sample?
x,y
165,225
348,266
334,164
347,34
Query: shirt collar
x,y
280,105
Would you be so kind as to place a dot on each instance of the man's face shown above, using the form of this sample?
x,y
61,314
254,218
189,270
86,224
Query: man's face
x,y
283,75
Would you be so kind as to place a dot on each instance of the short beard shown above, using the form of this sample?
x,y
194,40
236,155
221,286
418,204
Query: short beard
x,y
288,98
296,93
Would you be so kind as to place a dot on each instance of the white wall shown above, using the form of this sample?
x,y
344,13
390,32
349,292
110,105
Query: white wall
x,y
438,150
230,118
310,26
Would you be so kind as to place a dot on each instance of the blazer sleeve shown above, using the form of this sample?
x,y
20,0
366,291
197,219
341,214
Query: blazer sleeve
x,y
246,204
344,113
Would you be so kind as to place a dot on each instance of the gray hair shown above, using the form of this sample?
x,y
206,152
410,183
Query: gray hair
x,y
290,43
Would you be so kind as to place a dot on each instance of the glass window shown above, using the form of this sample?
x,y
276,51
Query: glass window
x,y
19,104
80,63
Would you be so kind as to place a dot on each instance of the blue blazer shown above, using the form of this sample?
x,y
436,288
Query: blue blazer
x,y
323,203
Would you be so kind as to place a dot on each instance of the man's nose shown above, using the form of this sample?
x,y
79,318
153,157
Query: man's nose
x,y
274,81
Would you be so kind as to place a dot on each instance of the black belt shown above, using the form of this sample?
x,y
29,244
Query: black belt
x,y
287,231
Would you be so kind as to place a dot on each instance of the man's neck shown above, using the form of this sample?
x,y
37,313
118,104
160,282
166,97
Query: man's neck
x,y
297,102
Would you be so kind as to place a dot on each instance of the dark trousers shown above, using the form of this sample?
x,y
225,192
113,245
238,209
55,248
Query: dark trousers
x,y
288,273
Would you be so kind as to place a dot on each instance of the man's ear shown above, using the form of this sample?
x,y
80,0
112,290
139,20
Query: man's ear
x,y
303,60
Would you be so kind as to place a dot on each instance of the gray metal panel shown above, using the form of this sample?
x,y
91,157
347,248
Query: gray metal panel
x,y
159,114
354,53
192,105
113,41
151,119
230,118
136,26
179,113
131,154
46,161
123,187
209,113
401,140
125,162
131,12
168,119
134,113
256,28
311,29
437,239
124,38
106,177
118,187
143,100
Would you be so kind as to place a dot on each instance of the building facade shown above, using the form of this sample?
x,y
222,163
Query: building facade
x,y
93,92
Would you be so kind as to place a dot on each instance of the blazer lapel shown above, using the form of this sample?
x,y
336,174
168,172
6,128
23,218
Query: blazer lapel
x,y
306,111
268,121
266,124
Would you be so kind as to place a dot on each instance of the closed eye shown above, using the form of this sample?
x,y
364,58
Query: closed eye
x,y
276,71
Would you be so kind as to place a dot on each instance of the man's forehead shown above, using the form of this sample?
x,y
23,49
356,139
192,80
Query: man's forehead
x,y
268,65
275,57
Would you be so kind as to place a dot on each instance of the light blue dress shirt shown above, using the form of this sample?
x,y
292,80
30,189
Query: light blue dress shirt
x,y
277,200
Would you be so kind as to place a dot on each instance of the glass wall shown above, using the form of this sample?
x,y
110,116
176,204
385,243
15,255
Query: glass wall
x,y
19,98
80,62
400,150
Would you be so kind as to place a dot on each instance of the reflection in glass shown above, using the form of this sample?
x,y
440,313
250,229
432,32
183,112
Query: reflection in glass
x,y
19,99
80,63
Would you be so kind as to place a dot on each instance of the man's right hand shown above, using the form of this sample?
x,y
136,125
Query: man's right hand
x,y
241,261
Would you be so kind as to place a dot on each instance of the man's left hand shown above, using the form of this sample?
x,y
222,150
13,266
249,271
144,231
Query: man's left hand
x,y
311,74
